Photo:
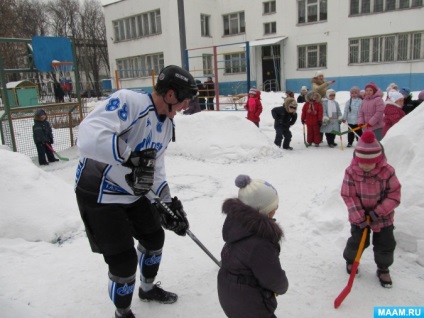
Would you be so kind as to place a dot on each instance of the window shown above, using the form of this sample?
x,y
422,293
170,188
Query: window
x,y
311,56
204,25
358,7
235,63
387,48
270,28
234,23
140,66
144,24
269,7
311,11
207,64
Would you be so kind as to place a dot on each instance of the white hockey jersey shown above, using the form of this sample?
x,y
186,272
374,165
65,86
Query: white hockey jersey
x,y
127,121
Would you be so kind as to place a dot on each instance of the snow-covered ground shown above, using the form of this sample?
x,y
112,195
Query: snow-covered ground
x,y
48,270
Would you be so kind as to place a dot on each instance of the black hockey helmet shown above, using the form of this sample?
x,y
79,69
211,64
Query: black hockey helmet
x,y
176,78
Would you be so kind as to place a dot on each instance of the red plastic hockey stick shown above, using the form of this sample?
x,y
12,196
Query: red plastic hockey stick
x,y
339,299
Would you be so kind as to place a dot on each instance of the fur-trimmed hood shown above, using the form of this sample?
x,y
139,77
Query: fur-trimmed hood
x,y
310,94
243,221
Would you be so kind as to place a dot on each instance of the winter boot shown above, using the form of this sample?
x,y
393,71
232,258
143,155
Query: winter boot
x,y
349,268
157,294
383,275
128,314
349,145
289,148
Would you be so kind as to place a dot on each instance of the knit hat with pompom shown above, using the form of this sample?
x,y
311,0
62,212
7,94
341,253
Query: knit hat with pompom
x,y
368,150
257,194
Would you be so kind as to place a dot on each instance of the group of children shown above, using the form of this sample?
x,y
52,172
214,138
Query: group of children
x,y
248,285
251,276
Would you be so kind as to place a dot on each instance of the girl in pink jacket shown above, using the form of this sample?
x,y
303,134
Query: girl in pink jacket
x,y
370,187
371,111
254,106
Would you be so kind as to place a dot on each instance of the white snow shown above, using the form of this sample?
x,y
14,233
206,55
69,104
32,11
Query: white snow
x,y
48,270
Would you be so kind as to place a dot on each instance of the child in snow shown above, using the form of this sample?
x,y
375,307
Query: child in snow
x,y
312,118
251,276
254,106
393,111
284,117
370,187
350,115
43,136
332,116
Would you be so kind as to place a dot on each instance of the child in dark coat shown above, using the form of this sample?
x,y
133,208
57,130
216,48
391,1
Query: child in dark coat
x,y
43,136
251,276
370,188
284,117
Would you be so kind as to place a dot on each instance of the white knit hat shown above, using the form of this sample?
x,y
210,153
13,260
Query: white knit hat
x,y
318,73
257,194
330,92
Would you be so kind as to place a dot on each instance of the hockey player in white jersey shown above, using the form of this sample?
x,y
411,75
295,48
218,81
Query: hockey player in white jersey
x,y
122,144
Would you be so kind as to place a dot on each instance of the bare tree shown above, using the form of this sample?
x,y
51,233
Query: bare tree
x,y
92,46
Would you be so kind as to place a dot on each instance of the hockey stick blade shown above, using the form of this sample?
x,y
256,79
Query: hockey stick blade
x,y
54,151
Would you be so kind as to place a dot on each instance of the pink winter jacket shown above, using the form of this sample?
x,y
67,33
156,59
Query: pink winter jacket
x,y
371,112
254,108
377,190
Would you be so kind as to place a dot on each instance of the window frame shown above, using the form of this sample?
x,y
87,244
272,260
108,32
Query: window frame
x,y
305,53
138,26
388,48
306,8
205,25
362,7
269,7
235,63
270,28
235,20
140,66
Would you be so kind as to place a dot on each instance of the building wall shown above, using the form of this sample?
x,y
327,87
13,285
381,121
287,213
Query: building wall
x,y
335,32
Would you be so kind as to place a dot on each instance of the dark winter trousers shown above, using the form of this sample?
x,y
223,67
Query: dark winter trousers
x,y
351,135
42,151
330,138
111,229
202,103
384,245
210,103
281,133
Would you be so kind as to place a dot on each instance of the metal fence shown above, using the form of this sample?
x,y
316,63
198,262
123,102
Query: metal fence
x,y
16,127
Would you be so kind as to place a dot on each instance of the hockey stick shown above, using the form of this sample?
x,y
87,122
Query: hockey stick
x,y
196,240
345,132
54,151
304,137
165,209
339,299
354,130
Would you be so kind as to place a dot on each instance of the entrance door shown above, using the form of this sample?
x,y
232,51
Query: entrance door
x,y
271,68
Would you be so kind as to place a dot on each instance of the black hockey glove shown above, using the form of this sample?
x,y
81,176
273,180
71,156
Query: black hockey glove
x,y
173,216
142,164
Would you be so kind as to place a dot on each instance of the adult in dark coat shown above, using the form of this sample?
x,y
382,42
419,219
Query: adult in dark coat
x,y
202,94
251,276
210,93
284,117
408,104
43,136
193,107
59,93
